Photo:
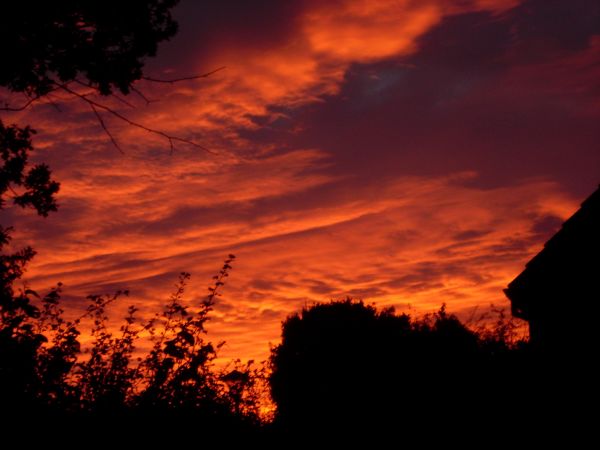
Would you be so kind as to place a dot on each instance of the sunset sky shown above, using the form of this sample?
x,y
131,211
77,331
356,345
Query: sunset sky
x,y
406,152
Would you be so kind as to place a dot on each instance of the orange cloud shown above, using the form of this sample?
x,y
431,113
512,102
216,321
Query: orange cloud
x,y
413,244
301,231
312,63
364,31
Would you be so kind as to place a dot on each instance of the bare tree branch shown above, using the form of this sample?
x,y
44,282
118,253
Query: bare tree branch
x,y
97,91
122,100
96,106
105,128
48,99
177,80
23,107
141,94
172,139
32,100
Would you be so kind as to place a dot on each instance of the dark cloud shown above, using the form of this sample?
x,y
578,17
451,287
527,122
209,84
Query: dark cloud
x,y
318,287
272,283
543,27
546,226
365,293
423,275
467,100
206,28
469,235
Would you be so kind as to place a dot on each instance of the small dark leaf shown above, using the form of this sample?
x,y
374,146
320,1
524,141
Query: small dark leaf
x,y
186,336
173,350
31,292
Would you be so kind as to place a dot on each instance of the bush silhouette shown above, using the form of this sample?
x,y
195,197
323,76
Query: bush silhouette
x,y
45,374
345,366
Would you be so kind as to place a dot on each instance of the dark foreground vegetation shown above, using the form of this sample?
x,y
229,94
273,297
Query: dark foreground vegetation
x,y
342,369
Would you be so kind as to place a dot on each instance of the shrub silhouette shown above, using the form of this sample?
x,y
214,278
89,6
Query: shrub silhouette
x,y
345,366
43,371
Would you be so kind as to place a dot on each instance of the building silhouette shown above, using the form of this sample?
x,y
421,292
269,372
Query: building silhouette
x,y
558,293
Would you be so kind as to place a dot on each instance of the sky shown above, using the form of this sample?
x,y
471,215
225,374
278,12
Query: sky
x,y
409,153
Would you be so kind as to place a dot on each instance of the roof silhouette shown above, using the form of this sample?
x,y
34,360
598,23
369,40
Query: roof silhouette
x,y
563,280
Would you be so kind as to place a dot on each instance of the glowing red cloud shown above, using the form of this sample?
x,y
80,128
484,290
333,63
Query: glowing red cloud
x,y
303,229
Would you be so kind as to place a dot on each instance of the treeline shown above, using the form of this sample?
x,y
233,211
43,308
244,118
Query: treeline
x,y
341,367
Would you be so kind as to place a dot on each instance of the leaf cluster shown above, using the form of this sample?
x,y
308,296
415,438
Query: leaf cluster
x,y
105,41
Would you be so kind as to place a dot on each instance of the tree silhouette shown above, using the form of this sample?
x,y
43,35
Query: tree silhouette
x,y
345,367
86,50
104,43
47,46
102,46
27,186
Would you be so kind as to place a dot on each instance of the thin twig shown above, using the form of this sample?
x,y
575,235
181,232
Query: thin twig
x,y
97,91
141,94
177,80
105,128
22,107
15,193
122,100
169,137
48,99
29,102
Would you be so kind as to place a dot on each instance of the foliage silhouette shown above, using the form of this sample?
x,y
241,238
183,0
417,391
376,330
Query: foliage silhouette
x,y
45,369
27,186
342,369
45,47
345,367
86,50
45,43
38,190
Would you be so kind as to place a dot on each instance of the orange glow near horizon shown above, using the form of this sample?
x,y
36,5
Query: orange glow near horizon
x,y
322,186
